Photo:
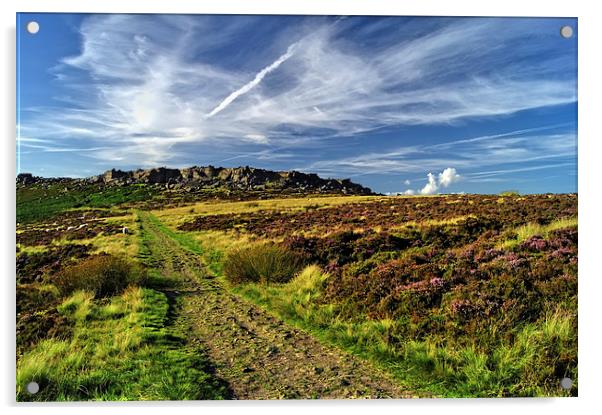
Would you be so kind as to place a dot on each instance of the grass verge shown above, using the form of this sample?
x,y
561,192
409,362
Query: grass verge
x,y
120,350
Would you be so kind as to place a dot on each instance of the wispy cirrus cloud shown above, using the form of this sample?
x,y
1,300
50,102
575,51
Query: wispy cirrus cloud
x,y
142,87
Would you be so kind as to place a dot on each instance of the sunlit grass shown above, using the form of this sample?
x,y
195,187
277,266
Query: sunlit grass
x,y
433,222
27,249
120,243
176,216
115,244
220,240
531,229
119,351
516,364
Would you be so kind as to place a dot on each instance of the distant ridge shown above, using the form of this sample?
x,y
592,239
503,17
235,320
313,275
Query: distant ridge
x,y
197,177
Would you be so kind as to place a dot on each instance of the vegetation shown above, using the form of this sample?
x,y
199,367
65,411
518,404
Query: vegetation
x,y
387,213
458,296
42,201
524,232
175,216
265,263
102,275
430,301
118,351
88,329
524,366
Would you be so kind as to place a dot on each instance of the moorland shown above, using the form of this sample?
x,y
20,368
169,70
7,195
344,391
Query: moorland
x,y
213,283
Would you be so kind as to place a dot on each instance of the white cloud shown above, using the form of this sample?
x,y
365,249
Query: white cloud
x,y
441,181
448,176
407,182
431,186
409,192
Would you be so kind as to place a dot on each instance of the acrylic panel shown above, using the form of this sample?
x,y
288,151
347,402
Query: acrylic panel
x,y
295,207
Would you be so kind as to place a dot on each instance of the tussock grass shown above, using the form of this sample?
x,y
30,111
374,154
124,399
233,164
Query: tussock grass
x,y
521,367
103,275
294,300
261,262
221,240
308,282
119,351
77,306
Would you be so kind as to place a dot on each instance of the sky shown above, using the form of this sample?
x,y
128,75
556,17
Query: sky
x,y
415,105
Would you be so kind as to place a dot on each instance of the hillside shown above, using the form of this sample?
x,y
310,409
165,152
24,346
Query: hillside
x,y
40,197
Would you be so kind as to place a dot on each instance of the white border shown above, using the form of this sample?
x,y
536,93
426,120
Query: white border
x,y
590,136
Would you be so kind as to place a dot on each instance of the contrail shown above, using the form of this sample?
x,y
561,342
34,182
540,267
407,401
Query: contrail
x,y
247,87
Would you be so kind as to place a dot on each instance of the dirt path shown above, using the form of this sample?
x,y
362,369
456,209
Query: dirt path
x,y
257,355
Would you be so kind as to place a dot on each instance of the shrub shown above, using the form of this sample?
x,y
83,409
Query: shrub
x,y
265,263
104,275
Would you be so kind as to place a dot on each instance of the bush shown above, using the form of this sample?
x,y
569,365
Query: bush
x,y
104,275
265,263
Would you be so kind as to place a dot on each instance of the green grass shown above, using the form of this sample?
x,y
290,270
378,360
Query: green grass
x,y
513,368
36,203
212,257
531,229
120,350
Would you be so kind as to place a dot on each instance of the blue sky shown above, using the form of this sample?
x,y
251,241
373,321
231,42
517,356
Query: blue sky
x,y
400,104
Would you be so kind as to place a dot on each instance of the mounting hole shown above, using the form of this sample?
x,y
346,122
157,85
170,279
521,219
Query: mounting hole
x,y
566,32
33,27
33,388
566,383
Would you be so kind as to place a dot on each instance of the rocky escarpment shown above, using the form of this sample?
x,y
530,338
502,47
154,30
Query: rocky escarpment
x,y
238,178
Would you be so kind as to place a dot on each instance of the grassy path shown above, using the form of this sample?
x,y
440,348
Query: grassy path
x,y
255,354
